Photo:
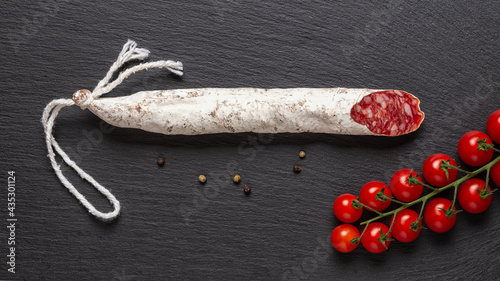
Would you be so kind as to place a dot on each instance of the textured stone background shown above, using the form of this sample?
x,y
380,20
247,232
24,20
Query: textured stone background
x,y
171,227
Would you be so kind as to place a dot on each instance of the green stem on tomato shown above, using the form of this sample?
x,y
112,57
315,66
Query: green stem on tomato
x,y
482,145
367,207
451,210
484,193
357,239
416,181
487,179
429,186
397,201
415,225
421,210
457,168
381,194
434,192
392,223
385,236
454,196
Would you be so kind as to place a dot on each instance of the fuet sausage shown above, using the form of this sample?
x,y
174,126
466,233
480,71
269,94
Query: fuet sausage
x,y
295,110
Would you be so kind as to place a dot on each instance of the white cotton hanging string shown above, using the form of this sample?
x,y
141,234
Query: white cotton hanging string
x,y
128,53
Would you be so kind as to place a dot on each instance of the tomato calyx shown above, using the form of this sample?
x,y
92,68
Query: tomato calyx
x,y
416,226
445,165
413,179
384,237
450,213
484,192
381,196
355,240
482,145
356,204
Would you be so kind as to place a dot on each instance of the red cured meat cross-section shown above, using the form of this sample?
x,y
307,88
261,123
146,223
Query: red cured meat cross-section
x,y
390,112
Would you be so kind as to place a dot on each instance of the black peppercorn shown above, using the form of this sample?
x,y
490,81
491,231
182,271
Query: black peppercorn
x,y
296,168
160,161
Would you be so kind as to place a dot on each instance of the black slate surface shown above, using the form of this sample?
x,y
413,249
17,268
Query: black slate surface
x,y
173,228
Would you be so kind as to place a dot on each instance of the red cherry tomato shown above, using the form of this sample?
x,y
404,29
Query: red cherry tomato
x,y
495,173
401,229
467,149
369,192
469,197
342,236
402,190
493,126
436,176
371,236
435,217
343,209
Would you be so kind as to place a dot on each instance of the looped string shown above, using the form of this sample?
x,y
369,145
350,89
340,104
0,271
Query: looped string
x,y
128,53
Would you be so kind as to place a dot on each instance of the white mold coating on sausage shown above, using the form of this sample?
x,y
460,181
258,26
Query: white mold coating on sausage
x,y
234,110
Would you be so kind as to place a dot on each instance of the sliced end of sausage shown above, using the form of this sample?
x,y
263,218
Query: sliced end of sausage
x,y
388,112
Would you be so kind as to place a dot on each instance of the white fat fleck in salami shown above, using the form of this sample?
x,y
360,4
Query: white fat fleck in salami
x,y
294,110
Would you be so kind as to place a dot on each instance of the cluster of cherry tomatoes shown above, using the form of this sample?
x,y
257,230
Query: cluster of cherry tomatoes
x,y
406,187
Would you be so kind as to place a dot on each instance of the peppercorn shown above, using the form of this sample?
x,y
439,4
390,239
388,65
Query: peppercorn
x,y
202,178
237,178
247,189
160,161
302,154
296,168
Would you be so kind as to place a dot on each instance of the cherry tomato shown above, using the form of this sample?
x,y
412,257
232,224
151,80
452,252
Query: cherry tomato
x,y
369,192
401,229
371,236
343,209
467,149
493,126
402,190
469,198
436,176
435,217
342,236
495,173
